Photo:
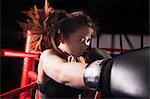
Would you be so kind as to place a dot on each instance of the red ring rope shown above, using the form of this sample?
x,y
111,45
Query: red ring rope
x,y
17,91
12,53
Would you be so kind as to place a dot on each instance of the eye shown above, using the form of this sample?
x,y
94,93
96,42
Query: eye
x,y
82,39
87,42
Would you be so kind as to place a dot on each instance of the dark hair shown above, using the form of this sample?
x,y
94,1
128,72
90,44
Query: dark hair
x,y
47,25
74,21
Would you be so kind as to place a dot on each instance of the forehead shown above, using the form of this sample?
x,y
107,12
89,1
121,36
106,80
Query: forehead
x,y
84,31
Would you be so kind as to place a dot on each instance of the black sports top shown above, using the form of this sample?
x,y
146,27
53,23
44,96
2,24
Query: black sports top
x,y
52,89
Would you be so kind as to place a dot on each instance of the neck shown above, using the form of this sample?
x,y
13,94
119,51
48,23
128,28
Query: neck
x,y
64,48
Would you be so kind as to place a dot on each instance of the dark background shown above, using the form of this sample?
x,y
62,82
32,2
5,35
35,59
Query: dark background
x,y
112,16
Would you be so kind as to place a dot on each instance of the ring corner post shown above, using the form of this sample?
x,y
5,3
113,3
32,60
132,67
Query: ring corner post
x,y
28,65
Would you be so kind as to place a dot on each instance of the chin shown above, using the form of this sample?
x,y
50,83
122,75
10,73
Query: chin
x,y
80,54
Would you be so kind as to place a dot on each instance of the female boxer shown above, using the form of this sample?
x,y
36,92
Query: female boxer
x,y
62,37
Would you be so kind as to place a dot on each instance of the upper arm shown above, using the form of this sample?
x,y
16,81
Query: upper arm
x,y
51,63
68,73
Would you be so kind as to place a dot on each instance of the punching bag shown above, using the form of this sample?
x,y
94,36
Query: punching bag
x,y
127,75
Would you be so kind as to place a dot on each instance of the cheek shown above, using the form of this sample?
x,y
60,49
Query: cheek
x,y
73,45
76,46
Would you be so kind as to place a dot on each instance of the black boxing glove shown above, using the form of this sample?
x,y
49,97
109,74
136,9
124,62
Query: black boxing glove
x,y
129,75
95,54
125,76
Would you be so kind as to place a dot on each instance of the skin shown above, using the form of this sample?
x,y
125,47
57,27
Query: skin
x,y
79,41
68,73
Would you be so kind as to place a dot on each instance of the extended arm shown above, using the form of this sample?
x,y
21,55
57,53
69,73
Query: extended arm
x,y
68,73
125,76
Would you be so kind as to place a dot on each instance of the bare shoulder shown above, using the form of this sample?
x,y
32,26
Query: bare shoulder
x,y
50,56
47,53
51,63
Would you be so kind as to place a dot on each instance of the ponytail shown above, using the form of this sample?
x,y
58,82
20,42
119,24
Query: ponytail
x,y
43,23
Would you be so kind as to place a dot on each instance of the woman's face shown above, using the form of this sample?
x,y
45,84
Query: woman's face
x,y
79,41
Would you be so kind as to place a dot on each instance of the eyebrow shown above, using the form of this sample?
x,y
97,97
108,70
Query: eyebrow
x,y
94,36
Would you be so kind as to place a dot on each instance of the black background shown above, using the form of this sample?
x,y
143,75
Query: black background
x,y
112,16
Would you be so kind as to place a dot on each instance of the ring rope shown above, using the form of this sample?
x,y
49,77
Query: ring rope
x,y
17,91
12,53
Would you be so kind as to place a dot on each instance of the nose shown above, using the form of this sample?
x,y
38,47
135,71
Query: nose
x,y
86,44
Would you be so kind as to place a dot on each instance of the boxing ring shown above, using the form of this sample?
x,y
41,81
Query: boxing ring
x,y
29,77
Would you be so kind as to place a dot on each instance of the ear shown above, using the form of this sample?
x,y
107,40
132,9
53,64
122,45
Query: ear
x,y
62,38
